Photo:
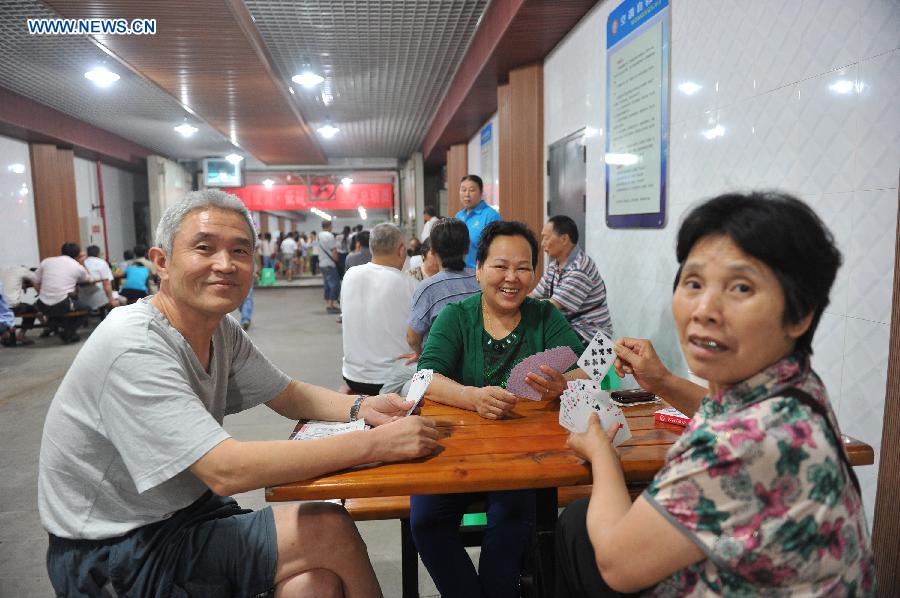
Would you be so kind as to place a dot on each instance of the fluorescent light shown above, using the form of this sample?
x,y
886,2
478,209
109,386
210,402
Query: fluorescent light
x,y
716,131
268,183
620,159
362,212
186,130
321,214
328,131
101,76
16,168
307,79
346,181
689,88
234,158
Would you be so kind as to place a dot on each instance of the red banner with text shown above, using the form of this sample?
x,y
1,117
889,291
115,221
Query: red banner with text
x,y
325,197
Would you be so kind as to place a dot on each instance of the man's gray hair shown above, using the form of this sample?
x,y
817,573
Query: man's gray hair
x,y
385,239
171,220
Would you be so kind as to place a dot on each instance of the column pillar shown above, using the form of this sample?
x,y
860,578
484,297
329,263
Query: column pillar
x,y
457,168
55,207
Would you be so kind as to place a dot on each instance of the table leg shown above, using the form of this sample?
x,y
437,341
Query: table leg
x,y
409,561
545,525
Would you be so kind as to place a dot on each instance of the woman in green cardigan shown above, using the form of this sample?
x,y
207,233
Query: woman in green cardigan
x,y
472,347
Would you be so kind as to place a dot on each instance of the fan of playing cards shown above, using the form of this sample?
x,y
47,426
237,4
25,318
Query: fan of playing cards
x,y
559,358
417,387
583,397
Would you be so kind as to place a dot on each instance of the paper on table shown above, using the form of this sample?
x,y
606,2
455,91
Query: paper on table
x,y
321,429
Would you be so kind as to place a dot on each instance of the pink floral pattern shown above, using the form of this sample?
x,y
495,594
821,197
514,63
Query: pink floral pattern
x,y
757,482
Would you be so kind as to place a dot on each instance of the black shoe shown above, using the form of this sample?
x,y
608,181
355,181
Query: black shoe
x,y
47,332
74,338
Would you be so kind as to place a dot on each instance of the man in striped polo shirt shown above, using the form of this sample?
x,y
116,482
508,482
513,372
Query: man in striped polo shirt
x,y
571,281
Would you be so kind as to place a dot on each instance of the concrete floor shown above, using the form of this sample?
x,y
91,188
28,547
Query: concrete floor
x,y
290,326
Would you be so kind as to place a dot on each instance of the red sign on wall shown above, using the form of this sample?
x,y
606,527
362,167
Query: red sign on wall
x,y
297,197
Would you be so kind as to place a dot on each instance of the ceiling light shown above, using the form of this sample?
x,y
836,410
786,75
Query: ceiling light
x,y
101,76
362,212
268,183
16,168
328,131
186,130
321,214
689,88
291,89
234,158
346,181
307,79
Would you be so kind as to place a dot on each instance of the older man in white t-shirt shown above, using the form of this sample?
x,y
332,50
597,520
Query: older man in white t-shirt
x,y
375,302
57,279
100,294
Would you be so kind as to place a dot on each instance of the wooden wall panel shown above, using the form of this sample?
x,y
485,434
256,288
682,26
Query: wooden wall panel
x,y
457,168
886,536
263,222
55,208
281,226
504,137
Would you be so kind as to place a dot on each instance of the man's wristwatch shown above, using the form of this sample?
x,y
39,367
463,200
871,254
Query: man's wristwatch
x,y
354,410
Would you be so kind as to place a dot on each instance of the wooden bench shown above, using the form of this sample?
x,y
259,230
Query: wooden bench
x,y
381,508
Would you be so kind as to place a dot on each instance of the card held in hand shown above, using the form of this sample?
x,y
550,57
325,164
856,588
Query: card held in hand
x,y
598,357
559,358
419,384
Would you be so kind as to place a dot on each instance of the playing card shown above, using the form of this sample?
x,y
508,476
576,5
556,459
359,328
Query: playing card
x,y
558,358
583,397
314,429
598,357
417,388
610,415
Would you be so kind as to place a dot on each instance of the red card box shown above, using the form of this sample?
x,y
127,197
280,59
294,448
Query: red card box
x,y
672,416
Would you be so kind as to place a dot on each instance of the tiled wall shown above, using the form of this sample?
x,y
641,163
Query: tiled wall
x,y
18,232
807,95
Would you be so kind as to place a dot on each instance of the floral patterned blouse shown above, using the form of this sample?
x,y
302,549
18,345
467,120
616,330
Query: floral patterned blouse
x,y
757,483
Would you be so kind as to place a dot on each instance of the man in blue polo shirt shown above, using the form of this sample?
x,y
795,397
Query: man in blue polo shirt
x,y
475,213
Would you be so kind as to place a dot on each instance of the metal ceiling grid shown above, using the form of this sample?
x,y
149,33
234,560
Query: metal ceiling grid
x,y
50,70
387,64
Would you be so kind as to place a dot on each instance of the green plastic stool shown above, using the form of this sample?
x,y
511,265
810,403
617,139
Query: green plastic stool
x,y
470,519
267,277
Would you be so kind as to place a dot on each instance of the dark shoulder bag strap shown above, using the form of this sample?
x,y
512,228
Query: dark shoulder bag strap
x,y
817,407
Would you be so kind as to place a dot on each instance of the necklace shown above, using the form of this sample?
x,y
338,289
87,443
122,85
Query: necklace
x,y
492,343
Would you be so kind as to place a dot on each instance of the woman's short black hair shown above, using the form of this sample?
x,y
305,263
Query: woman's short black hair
x,y
475,179
505,228
450,241
783,233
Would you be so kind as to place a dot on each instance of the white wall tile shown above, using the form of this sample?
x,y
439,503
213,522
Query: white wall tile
x,y
18,231
837,211
879,27
829,37
870,258
878,150
828,355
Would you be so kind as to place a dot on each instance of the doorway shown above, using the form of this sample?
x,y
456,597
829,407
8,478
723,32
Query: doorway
x,y
566,170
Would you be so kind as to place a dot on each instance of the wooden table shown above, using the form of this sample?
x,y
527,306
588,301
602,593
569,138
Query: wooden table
x,y
526,450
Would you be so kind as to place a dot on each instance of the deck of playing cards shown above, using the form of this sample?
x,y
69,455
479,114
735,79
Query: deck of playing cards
x,y
418,386
583,397
558,358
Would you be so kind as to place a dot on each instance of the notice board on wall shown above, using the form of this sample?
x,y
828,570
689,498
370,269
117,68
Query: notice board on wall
x,y
637,108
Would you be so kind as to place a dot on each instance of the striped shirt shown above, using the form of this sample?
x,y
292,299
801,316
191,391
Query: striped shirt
x,y
434,293
580,293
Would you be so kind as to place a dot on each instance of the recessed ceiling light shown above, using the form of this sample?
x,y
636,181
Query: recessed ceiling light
x,y
346,181
234,158
16,168
291,89
101,76
362,212
186,130
328,131
268,183
307,79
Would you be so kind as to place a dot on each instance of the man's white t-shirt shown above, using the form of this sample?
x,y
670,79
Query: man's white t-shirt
x,y
324,244
94,296
58,277
289,246
426,228
374,308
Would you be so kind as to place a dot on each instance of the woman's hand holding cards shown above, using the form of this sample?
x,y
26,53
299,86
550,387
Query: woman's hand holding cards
x,y
493,402
549,389
636,356
588,444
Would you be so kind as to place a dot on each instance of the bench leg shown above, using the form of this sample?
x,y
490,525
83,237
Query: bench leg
x,y
409,557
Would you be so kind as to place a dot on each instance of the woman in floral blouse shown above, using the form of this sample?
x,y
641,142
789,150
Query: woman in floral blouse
x,y
756,497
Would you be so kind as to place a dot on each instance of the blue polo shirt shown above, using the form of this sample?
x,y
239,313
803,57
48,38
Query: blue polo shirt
x,y
480,216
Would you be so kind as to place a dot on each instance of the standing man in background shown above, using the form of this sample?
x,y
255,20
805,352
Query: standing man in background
x,y
572,282
326,245
429,214
475,213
